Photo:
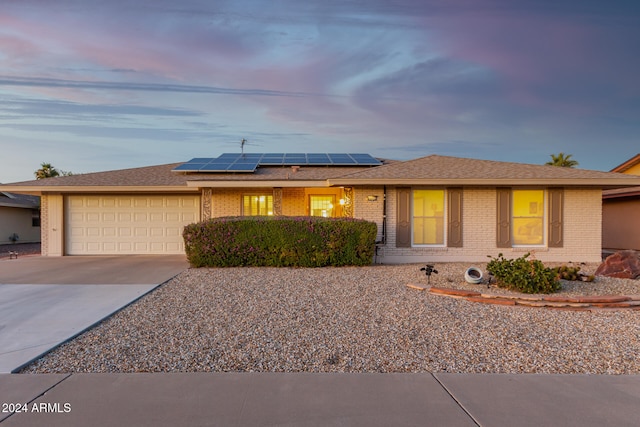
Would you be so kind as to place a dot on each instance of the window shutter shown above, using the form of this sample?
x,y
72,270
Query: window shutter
x,y
403,224
503,229
556,208
454,220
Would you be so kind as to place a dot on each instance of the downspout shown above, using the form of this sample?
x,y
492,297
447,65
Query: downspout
x,y
384,216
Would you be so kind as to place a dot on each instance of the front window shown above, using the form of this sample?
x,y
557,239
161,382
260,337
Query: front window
x,y
322,205
528,217
257,205
428,217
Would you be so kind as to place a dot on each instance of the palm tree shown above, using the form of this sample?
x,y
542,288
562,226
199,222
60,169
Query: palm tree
x,y
46,171
562,160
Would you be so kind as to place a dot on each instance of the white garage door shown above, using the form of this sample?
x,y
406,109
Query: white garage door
x,y
128,224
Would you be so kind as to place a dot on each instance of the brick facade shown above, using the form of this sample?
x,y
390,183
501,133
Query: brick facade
x,y
582,229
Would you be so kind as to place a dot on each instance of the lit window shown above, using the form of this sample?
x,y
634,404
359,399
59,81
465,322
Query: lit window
x,y
528,217
428,217
322,206
257,205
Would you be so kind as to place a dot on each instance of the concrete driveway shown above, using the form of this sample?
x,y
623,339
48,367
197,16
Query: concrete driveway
x,y
45,301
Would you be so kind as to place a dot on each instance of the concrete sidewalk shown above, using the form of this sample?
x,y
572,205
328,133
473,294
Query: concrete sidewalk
x,y
306,399
45,301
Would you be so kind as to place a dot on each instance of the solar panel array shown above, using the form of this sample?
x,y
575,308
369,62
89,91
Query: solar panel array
x,y
249,162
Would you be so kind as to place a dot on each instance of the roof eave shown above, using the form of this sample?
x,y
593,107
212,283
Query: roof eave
x,y
596,183
40,190
18,205
258,184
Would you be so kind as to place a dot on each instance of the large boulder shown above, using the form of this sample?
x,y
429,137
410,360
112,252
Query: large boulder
x,y
623,265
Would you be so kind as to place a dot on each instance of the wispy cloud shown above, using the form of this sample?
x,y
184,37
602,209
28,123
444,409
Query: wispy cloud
x,y
56,108
145,87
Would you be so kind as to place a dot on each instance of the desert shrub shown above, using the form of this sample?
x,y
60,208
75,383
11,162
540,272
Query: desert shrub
x,y
566,272
280,242
524,275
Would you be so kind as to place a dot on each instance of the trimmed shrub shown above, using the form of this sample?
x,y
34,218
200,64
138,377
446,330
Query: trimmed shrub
x,y
280,242
523,275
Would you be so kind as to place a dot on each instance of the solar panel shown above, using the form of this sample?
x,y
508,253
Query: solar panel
x,y
243,167
215,167
248,162
365,159
341,159
250,156
292,159
189,167
272,159
318,159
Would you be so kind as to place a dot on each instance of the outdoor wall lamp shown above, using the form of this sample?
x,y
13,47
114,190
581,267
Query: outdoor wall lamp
x,y
372,198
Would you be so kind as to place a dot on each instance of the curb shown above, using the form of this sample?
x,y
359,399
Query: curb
x,y
572,303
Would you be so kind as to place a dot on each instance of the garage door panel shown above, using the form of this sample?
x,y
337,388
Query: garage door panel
x,y
92,202
173,232
156,231
125,247
128,224
141,247
141,203
124,232
78,231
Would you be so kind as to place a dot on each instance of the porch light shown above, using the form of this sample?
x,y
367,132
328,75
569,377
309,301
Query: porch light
x,y
342,202
372,198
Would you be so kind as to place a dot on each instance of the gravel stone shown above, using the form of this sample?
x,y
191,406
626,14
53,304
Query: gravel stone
x,y
350,319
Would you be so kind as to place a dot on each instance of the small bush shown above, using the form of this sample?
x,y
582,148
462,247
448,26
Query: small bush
x,y
280,242
566,272
524,275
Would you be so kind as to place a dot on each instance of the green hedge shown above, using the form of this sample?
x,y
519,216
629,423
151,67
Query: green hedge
x,y
280,242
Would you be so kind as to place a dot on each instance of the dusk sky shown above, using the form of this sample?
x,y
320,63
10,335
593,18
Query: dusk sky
x,y
93,85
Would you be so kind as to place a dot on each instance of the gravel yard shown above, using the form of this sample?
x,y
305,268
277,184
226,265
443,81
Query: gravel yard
x,y
350,319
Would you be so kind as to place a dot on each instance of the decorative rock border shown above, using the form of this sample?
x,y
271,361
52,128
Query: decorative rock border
x,y
578,303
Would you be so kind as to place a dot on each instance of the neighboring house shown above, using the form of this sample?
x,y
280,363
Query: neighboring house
x,y
621,212
19,218
431,209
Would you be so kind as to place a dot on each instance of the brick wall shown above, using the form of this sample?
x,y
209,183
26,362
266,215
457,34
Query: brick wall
x,y
582,230
228,202
582,224
44,225
369,210
294,202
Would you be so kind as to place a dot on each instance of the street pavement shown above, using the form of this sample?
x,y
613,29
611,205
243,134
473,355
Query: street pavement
x,y
319,399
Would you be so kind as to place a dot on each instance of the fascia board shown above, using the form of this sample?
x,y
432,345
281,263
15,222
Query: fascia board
x,y
39,190
257,184
598,183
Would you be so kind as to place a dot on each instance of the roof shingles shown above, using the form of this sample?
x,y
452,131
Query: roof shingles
x,y
427,170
